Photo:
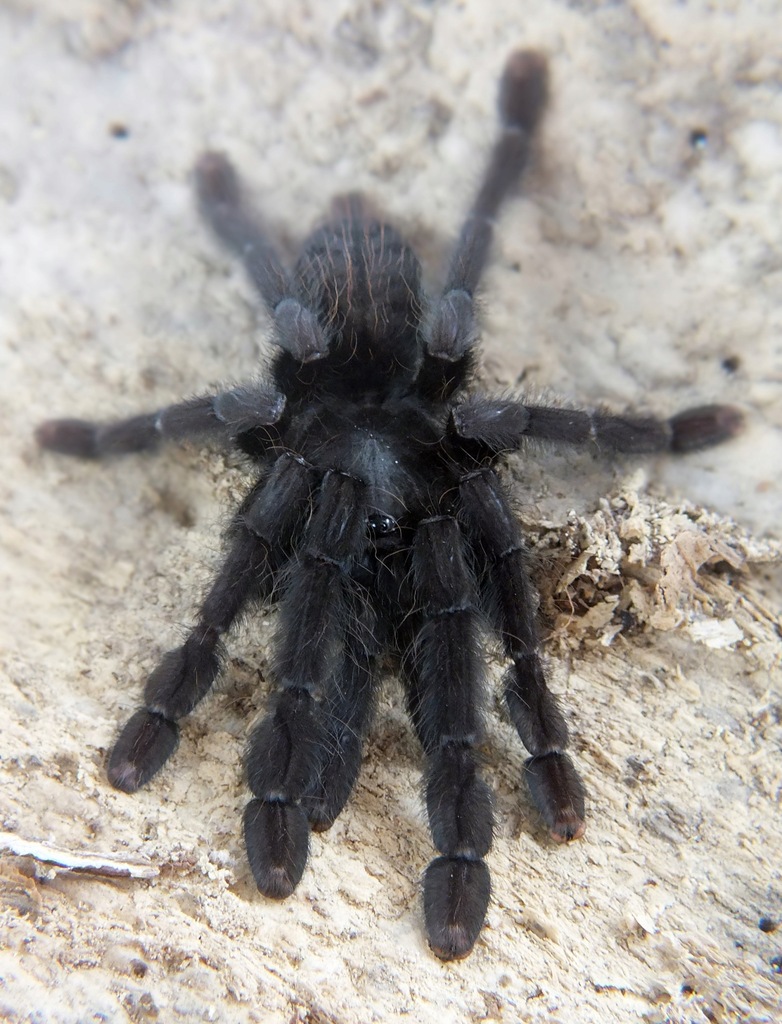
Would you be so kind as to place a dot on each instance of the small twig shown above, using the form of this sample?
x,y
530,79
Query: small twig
x,y
94,863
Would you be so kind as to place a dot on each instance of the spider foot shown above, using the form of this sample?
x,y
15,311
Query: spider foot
x,y
456,896
524,89
68,437
216,180
704,426
277,838
558,794
143,747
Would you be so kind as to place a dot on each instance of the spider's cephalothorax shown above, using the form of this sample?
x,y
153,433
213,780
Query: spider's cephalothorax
x,y
377,521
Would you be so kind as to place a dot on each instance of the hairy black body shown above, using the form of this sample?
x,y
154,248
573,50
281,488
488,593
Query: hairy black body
x,y
378,523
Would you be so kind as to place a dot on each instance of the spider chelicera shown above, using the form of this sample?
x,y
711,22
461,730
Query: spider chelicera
x,y
377,522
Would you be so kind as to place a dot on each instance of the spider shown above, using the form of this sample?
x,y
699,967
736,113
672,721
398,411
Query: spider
x,y
377,521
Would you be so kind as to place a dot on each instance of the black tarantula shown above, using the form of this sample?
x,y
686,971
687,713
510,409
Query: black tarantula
x,y
377,521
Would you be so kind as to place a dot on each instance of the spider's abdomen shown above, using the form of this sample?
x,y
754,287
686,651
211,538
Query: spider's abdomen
x,y
364,284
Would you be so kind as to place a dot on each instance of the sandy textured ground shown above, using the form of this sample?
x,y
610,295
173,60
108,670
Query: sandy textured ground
x,y
642,267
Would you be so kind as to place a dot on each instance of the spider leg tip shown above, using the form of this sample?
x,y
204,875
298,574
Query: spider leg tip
x,y
458,947
456,897
124,776
216,179
705,426
276,836
568,828
67,437
145,744
524,89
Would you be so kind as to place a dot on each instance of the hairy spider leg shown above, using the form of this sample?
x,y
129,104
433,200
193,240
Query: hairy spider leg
x,y
218,417
452,335
260,533
553,781
346,706
502,425
290,748
445,675
220,200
